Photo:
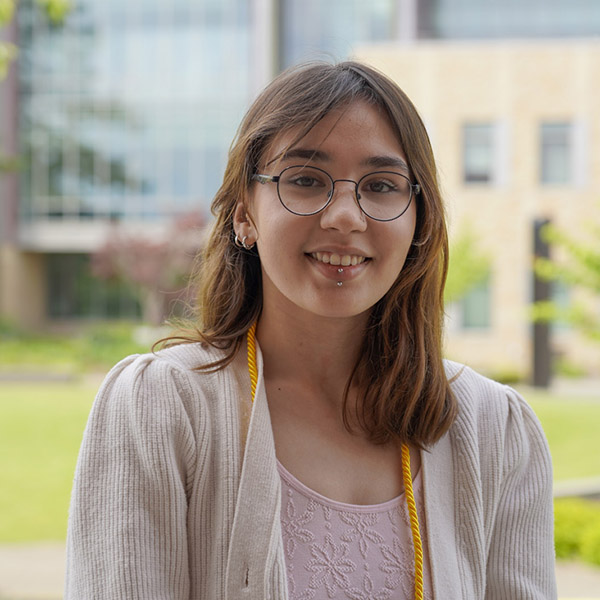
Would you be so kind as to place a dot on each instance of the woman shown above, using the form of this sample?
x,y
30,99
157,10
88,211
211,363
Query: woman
x,y
366,467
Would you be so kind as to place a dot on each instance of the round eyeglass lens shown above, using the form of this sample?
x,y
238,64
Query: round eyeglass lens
x,y
384,195
304,190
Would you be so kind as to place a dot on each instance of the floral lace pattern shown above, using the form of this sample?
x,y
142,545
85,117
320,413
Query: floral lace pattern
x,y
343,551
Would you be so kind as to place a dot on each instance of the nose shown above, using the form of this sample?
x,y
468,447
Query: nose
x,y
343,213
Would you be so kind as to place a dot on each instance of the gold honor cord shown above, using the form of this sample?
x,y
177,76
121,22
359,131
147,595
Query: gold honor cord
x,y
406,475
414,522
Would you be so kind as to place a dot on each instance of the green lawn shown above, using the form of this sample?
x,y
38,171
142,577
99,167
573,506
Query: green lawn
x,y
572,427
41,425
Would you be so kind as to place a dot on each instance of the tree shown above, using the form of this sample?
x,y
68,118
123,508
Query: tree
x,y
157,269
578,268
56,11
468,267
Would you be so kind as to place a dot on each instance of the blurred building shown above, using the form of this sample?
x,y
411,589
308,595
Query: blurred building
x,y
516,132
125,113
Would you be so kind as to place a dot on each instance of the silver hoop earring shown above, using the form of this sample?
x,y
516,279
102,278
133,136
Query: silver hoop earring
x,y
242,243
246,246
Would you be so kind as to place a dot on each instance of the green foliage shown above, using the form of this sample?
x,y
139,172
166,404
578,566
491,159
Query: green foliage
x,y
574,519
590,542
104,345
468,267
7,9
95,347
580,268
7,162
583,263
567,368
8,52
56,10
577,529
507,374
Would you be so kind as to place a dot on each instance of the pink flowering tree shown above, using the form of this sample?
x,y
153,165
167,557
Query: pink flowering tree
x,y
157,269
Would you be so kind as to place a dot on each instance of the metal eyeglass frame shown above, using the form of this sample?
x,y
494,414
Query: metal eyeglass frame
x,y
415,190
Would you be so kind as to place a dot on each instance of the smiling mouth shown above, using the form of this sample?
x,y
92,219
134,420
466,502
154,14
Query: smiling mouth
x,y
345,260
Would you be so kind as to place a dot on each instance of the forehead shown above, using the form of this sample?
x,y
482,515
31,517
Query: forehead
x,y
358,128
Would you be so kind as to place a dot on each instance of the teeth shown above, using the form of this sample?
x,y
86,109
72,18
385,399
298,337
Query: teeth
x,y
331,258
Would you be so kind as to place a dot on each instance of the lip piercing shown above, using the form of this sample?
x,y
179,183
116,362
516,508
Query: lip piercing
x,y
340,270
339,284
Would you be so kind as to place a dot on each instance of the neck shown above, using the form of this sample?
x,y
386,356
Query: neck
x,y
318,350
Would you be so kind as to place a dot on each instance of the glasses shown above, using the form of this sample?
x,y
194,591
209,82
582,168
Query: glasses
x,y
305,191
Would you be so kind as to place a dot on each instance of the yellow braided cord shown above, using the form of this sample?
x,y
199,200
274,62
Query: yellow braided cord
x,y
414,522
252,368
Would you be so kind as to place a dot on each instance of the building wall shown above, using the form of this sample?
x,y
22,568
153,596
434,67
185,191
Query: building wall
x,y
518,86
22,287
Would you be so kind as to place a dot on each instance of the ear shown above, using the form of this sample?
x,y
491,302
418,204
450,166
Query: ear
x,y
243,224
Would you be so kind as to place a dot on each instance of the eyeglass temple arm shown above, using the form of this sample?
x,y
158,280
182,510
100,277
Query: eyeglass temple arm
x,y
265,178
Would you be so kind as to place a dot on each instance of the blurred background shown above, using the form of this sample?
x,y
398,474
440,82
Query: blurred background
x,y
115,122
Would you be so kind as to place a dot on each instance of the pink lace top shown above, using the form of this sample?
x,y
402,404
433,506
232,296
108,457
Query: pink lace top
x,y
337,550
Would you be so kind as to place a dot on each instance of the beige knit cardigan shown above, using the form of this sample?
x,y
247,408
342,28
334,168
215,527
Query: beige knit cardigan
x,y
177,494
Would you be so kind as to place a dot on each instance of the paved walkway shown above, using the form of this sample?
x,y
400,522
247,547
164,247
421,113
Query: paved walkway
x,y
35,572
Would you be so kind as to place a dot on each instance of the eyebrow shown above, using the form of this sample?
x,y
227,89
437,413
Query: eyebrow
x,y
378,162
304,153
386,161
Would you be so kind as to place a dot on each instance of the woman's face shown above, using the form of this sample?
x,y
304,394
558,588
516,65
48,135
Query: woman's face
x,y
304,258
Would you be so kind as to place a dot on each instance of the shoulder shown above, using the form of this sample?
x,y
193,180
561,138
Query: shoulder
x,y
495,421
165,380
489,409
477,394
180,362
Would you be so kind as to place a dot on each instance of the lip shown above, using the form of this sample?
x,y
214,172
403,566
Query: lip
x,y
333,273
341,250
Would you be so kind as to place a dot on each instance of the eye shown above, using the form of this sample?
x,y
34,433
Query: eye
x,y
379,186
304,181
384,183
304,177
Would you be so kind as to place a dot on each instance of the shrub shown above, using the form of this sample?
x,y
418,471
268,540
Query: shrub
x,y
105,344
590,542
577,527
97,346
508,374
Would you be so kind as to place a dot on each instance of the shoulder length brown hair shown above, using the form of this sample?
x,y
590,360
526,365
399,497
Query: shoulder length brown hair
x,y
406,395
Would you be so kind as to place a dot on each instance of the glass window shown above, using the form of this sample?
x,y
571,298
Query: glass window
x,y
478,153
311,29
110,100
476,307
508,18
556,153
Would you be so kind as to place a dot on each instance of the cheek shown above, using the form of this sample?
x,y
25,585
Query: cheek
x,y
404,233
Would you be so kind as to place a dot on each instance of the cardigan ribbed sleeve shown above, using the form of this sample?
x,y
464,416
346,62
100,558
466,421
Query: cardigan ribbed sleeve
x,y
502,479
521,557
127,524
